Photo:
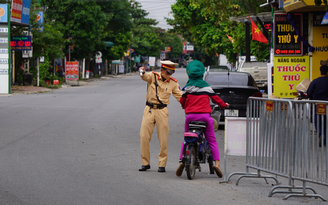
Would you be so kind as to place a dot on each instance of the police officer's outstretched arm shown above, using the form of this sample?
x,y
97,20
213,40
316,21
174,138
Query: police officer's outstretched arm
x,y
146,75
177,93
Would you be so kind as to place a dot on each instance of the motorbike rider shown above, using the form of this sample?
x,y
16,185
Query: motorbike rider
x,y
318,90
160,87
196,103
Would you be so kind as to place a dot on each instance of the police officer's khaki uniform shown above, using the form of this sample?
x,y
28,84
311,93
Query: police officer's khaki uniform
x,y
160,117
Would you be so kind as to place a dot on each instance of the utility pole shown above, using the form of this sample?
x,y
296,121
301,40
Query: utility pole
x,y
38,71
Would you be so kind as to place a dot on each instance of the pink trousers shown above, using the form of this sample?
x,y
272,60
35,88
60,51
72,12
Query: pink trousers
x,y
209,132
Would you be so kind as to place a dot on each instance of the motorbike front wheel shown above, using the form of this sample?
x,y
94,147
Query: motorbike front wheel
x,y
210,164
191,167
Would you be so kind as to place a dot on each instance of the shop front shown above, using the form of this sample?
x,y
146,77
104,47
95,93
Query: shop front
x,y
300,46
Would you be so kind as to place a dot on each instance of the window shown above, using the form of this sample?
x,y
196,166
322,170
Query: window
x,y
229,79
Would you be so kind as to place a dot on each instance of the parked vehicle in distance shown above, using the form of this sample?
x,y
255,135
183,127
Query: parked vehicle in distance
x,y
258,70
184,62
234,88
216,68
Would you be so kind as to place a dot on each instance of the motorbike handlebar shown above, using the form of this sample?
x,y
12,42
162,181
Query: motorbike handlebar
x,y
217,106
213,108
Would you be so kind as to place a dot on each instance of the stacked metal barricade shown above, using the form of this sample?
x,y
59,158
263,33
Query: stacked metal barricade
x,y
282,138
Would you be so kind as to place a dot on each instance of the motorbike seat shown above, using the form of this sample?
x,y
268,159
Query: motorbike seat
x,y
190,137
190,134
198,124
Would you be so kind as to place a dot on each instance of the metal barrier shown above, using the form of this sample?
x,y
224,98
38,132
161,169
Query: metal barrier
x,y
265,144
310,159
234,139
280,141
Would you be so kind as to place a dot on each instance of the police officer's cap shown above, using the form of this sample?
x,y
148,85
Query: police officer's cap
x,y
169,65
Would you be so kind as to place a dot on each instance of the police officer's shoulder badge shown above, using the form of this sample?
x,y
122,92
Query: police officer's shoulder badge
x,y
175,80
157,74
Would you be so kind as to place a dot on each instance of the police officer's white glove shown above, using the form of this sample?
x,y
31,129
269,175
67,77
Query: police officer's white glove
x,y
141,71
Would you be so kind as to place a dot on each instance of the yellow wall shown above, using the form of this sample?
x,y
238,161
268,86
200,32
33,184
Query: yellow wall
x,y
302,6
320,54
311,2
288,73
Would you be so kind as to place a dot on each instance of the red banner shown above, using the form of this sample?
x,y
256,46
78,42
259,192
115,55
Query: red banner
x,y
72,70
16,11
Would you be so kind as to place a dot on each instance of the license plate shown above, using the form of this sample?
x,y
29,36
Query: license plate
x,y
230,113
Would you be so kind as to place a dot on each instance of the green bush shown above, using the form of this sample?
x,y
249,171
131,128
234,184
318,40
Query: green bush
x,y
52,77
61,80
43,70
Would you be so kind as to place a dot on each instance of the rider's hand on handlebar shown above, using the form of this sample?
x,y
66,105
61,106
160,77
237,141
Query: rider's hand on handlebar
x,y
227,104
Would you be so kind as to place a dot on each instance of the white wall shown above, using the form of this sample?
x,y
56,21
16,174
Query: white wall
x,y
224,61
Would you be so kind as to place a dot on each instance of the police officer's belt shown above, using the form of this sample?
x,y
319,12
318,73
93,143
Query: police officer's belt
x,y
156,106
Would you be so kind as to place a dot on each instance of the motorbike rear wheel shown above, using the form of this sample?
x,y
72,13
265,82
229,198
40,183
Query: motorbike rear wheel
x,y
191,167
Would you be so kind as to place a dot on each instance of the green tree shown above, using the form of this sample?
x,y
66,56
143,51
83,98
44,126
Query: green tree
x,y
172,40
118,29
81,22
206,24
48,42
197,28
145,41
176,46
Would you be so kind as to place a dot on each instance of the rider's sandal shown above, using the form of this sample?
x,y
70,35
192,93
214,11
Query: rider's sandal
x,y
180,169
217,171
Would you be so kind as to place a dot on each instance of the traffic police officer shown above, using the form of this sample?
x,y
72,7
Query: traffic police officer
x,y
160,87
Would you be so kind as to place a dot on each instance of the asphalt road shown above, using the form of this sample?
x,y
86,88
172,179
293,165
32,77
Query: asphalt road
x,y
80,145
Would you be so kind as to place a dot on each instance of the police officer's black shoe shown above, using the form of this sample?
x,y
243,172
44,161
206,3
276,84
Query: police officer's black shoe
x,y
161,169
144,168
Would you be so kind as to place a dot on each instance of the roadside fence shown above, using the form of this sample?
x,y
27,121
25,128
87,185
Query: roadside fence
x,y
286,138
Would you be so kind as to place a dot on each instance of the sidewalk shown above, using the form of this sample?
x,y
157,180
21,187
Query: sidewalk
x,y
17,89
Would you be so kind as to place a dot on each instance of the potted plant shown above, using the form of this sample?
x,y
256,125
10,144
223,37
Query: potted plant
x,y
55,80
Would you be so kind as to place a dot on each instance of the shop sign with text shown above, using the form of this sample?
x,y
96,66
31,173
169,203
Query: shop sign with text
x,y
320,44
16,10
19,43
286,40
26,12
3,13
20,11
288,73
72,70
5,74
